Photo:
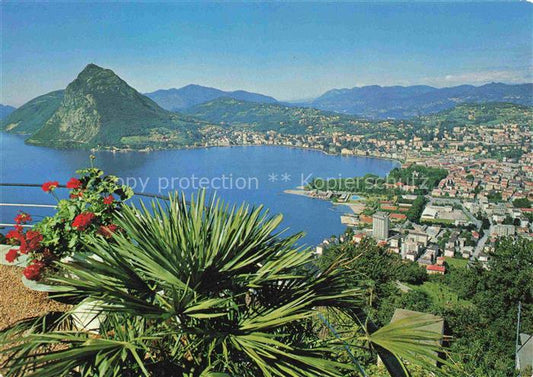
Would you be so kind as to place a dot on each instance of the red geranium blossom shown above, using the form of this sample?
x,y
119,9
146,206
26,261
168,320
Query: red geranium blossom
x,y
49,186
76,195
109,199
23,218
74,183
33,271
32,241
14,234
83,220
107,230
11,255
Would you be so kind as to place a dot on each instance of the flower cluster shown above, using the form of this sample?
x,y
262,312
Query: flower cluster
x,y
109,200
50,186
23,218
12,255
33,271
28,241
90,209
74,183
83,220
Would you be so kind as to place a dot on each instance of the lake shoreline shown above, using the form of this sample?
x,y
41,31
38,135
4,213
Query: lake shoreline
x,y
175,169
149,150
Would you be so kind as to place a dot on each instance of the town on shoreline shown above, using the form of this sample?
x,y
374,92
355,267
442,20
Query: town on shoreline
x,y
453,205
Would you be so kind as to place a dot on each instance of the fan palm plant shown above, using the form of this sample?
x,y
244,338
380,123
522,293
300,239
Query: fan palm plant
x,y
191,289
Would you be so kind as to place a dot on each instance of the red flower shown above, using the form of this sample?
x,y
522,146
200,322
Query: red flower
x,y
12,255
76,195
49,186
83,220
14,234
32,241
107,230
74,183
23,218
33,271
109,199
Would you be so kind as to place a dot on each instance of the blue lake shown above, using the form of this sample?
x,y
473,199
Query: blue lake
x,y
257,175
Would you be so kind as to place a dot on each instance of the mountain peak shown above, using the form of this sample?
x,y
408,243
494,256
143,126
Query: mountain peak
x,y
194,94
92,68
97,79
99,108
93,71
194,86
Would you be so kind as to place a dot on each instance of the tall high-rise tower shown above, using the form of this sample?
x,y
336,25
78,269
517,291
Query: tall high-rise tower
x,y
380,225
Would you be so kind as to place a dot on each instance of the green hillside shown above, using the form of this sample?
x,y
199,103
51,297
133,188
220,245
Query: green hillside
x,y
99,109
229,114
265,117
28,118
473,114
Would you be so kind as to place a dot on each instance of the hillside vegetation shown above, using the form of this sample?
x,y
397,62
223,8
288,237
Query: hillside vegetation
x,y
31,116
473,114
273,117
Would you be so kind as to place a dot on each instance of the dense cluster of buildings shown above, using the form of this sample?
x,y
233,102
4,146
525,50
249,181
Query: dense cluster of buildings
x,y
403,141
490,170
479,201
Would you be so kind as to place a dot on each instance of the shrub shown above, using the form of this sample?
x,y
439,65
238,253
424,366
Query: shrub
x,y
93,201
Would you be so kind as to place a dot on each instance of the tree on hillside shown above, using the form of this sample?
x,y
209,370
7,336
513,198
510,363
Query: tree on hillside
x,y
484,331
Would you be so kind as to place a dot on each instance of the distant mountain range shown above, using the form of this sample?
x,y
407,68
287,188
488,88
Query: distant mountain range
x,y
99,109
372,102
191,95
380,102
5,110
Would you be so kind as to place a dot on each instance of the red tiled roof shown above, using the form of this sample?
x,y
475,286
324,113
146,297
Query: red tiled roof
x,y
399,216
365,219
434,267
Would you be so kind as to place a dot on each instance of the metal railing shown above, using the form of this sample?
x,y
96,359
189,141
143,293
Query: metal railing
x,y
32,205
148,195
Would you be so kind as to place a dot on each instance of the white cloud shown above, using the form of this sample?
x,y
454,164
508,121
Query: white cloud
x,y
481,77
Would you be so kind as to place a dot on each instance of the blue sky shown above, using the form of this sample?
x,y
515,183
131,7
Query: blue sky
x,y
287,50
